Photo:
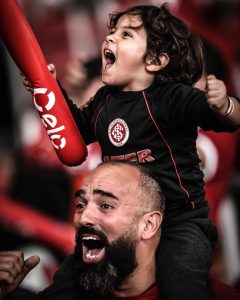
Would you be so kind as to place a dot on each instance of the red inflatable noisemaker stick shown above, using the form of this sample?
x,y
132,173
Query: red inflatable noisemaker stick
x,y
48,99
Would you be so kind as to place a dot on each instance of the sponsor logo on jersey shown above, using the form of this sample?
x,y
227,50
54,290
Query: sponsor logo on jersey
x,y
118,132
141,156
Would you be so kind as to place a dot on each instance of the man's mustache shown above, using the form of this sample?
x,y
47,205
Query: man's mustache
x,y
92,231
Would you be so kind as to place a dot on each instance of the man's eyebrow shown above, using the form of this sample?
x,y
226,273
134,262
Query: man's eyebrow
x,y
105,194
82,192
79,193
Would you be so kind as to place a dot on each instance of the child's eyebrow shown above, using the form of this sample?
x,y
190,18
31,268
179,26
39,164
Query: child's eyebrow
x,y
130,27
133,27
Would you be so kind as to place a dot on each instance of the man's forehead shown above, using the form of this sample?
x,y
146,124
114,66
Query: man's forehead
x,y
121,178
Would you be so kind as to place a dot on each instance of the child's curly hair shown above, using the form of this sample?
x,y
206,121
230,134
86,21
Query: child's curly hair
x,y
168,34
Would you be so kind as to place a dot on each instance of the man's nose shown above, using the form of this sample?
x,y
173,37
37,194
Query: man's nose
x,y
88,216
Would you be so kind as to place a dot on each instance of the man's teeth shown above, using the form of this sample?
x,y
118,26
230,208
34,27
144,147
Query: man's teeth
x,y
89,255
89,238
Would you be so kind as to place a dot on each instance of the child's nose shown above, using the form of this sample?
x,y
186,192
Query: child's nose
x,y
110,38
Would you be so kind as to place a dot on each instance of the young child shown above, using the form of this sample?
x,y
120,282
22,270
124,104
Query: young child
x,y
148,112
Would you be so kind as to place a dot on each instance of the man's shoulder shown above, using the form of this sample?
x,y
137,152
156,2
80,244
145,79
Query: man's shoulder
x,y
54,292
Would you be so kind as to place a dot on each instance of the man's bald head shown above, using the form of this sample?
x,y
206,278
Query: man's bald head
x,y
149,194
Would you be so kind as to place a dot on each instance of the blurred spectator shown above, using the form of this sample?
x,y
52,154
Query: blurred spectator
x,y
83,78
224,17
61,27
212,20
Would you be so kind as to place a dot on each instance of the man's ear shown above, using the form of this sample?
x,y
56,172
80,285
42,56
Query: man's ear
x,y
152,222
154,65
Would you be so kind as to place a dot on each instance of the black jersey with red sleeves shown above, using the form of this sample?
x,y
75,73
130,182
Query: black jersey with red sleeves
x,y
156,127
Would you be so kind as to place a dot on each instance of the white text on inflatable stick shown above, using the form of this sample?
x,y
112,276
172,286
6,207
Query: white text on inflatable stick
x,y
49,120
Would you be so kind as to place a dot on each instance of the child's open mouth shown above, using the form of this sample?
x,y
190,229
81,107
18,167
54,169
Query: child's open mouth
x,y
109,58
93,249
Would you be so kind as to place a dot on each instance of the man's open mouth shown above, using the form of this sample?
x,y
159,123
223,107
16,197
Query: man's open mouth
x,y
93,248
109,58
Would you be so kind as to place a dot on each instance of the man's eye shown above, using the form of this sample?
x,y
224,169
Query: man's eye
x,y
106,206
80,206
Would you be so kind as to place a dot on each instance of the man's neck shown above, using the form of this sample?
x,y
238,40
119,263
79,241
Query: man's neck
x,y
139,281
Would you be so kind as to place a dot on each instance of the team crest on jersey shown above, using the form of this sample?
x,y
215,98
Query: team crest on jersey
x,y
118,132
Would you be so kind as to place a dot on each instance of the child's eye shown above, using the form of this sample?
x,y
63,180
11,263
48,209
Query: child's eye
x,y
126,34
112,31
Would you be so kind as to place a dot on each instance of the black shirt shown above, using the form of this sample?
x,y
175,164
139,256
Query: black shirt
x,y
156,127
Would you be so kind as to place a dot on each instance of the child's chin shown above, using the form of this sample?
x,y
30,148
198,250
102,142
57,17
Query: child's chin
x,y
108,82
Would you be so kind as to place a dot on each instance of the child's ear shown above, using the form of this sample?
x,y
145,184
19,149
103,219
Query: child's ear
x,y
154,65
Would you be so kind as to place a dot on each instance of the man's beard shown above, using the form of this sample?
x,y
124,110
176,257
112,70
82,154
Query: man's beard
x,y
118,263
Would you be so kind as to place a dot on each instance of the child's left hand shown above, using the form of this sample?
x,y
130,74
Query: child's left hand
x,y
217,95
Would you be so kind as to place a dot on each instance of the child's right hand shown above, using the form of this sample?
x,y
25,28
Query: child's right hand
x,y
28,84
